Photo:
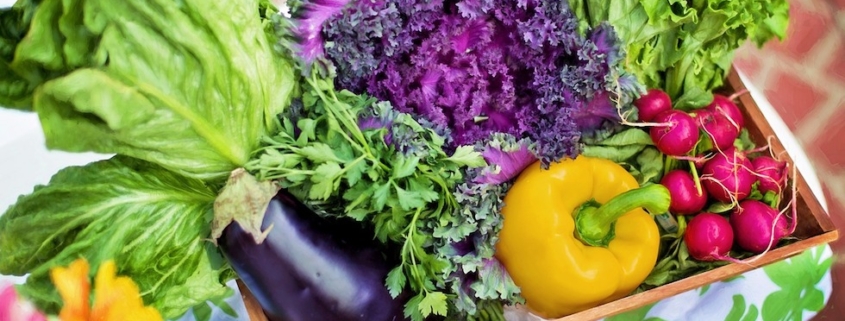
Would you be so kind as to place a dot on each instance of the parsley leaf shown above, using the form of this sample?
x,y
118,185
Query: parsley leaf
x,y
433,302
357,157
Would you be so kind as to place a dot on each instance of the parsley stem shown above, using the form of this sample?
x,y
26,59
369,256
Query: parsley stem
x,y
346,167
409,243
334,112
348,121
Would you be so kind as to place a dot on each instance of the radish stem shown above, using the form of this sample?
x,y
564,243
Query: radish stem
x,y
695,177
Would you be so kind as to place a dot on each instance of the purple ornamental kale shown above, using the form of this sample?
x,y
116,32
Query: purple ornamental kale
x,y
480,67
309,25
469,89
506,157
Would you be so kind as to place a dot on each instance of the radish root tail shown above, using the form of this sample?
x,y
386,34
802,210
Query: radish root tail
x,y
737,94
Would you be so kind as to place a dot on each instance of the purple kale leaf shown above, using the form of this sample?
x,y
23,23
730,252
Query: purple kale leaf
x,y
477,67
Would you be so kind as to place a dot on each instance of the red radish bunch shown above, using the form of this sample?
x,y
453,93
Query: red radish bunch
x,y
706,138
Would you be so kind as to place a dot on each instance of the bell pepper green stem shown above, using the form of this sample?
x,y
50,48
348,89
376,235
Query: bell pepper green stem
x,y
595,225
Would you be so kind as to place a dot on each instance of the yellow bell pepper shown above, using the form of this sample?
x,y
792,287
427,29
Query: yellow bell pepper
x,y
575,235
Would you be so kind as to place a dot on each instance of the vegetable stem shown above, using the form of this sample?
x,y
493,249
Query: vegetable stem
x,y
344,117
595,224
212,135
695,177
409,244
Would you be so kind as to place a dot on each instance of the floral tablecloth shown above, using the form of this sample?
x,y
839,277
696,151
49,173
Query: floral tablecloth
x,y
793,289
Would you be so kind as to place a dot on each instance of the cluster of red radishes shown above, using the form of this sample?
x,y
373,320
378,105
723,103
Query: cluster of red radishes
x,y
705,138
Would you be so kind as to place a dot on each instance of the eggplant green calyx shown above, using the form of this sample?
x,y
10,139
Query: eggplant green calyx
x,y
244,199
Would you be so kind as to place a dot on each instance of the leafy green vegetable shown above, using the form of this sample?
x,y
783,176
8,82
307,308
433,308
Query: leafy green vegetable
x,y
345,154
719,207
15,91
685,47
650,166
632,148
152,222
191,85
744,142
619,147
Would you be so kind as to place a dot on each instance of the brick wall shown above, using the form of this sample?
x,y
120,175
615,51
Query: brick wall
x,y
804,79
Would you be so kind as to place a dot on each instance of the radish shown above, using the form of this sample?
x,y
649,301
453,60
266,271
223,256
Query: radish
x,y
724,106
678,137
728,176
700,160
654,102
686,197
720,131
770,173
759,227
709,237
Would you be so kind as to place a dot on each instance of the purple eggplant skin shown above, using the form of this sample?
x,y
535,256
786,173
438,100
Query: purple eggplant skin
x,y
311,268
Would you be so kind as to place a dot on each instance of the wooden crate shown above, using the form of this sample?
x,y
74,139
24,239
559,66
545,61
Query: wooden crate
x,y
814,228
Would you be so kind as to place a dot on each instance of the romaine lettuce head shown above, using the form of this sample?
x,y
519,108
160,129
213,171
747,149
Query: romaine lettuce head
x,y
152,222
191,85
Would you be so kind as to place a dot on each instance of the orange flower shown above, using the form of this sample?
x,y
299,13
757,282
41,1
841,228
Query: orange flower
x,y
116,298
74,287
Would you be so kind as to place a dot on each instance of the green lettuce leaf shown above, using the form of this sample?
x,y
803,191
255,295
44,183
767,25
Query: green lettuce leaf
x,y
15,90
191,85
152,222
685,47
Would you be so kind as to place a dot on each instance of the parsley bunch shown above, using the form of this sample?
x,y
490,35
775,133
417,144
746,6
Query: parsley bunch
x,y
351,155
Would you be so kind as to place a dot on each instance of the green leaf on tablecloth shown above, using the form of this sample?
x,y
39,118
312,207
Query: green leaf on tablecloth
x,y
738,308
797,278
636,315
740,311
813,300
752,314
224,306
202,312
704,289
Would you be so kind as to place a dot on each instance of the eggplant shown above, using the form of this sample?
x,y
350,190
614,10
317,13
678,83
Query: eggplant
x,y
311,268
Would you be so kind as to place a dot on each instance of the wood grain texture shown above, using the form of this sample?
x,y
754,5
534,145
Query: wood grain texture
x,y
253,309
814,228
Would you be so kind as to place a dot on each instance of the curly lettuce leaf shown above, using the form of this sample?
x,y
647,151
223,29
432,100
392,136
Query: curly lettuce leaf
x,y
15,90
151,221
685,47
191,85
